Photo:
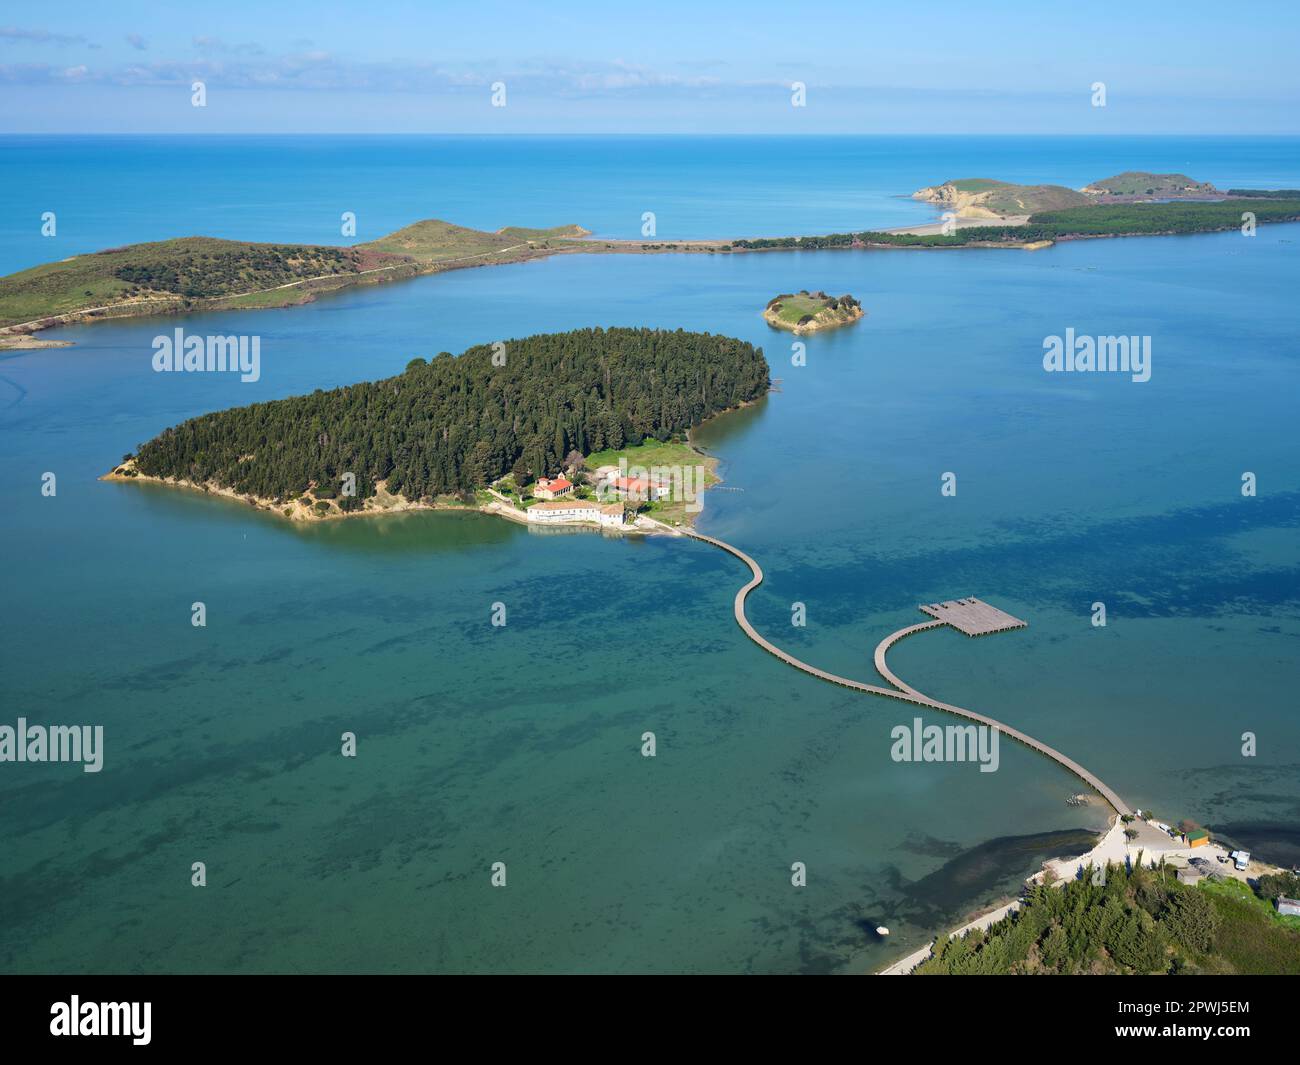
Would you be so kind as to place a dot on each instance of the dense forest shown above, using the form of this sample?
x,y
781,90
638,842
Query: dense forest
x,y
200,268
1138,921
1267,194
450,424
1099,220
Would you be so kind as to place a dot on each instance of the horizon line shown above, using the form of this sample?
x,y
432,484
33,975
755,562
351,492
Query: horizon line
x,y
563,133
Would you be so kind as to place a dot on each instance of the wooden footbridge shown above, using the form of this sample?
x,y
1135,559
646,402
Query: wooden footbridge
x,y
971,616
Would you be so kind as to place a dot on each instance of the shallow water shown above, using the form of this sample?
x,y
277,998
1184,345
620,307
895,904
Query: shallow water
x,y
521,744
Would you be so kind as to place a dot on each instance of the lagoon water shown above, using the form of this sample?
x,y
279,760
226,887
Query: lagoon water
x,y
521,744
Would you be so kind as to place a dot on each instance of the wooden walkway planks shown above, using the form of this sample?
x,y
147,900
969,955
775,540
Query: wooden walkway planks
x,y
973,616
901,690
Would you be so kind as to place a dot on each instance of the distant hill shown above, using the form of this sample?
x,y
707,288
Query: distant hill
x,y
171,275
987,198
1142,183
434,241
171,271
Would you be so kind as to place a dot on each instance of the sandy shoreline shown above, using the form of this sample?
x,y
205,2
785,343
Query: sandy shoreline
x,y
930,229
1113,848
297,511
375,506
1105,849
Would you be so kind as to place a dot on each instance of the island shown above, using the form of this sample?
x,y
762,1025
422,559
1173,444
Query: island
x,y
505,428
807,312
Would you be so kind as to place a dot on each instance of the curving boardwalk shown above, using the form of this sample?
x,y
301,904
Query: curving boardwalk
x,y
901,690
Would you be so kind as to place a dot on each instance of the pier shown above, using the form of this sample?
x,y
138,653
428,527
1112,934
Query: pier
x,y
971,616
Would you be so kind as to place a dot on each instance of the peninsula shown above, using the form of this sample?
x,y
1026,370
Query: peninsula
x,y
192,274
205,273
806,312
503,428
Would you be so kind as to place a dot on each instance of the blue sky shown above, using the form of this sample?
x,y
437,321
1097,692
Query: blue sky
x,y
991,67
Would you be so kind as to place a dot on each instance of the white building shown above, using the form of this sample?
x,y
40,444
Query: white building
x,y
612,514
564,510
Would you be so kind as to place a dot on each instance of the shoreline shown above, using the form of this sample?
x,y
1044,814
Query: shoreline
x,y
1105,844
1112,847
776,322
304,514
21,335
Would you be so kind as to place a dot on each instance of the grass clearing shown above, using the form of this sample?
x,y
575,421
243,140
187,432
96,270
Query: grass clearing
x,y
1252,935
664,455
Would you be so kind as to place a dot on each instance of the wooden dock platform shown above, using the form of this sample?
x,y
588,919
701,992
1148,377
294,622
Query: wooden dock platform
x,y
973,616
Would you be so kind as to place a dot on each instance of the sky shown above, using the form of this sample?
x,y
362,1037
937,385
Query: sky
x,y
386,66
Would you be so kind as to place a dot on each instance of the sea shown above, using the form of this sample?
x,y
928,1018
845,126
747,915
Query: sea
x,y
500,814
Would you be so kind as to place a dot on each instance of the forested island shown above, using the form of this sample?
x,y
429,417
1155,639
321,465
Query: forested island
x,y
448,427
806,312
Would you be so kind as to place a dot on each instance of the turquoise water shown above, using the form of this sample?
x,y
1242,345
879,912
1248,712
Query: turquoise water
x,y
521,744
107,191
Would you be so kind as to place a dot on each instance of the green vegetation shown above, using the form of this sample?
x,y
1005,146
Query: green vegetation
x,y
1143,183
1271,885
982,235
169,270
569,232
650,453
663,455
433,241
1009,199
1254,937
1003,198
1136,218
806,311
200,268
1267,194
170,274
1138,921
453,424
1115,220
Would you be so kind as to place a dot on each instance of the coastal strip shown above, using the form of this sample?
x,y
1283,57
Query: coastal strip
x,y
189,274
1109,848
